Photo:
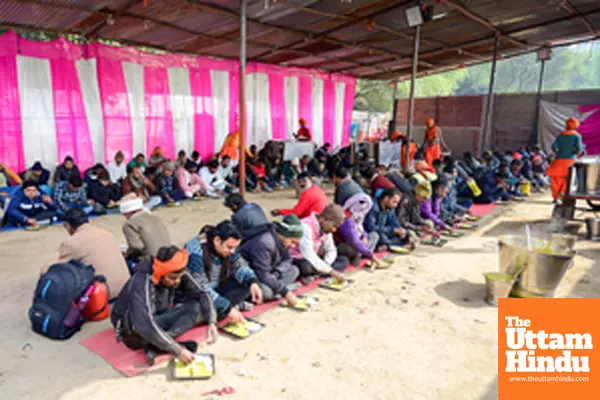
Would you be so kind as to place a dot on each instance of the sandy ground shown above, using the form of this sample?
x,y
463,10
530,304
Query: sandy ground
x,y
417,331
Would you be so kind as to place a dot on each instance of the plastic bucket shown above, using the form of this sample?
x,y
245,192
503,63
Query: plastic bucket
x,y
474,188
525,188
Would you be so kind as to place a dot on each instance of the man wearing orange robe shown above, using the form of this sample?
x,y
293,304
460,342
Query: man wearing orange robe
x,y
567,146
433,142
412,146
303,134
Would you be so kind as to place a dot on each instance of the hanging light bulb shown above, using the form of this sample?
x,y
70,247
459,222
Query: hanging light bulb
x,y
147,25
110,20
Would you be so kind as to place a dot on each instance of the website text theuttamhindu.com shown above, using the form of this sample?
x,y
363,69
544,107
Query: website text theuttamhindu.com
x,y
549,379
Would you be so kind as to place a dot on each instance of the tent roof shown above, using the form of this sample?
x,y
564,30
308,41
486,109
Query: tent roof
x,y
365,38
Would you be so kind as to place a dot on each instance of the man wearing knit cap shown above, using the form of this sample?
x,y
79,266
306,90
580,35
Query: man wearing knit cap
x,y
145,232
269,257
409,212
145,315
316,253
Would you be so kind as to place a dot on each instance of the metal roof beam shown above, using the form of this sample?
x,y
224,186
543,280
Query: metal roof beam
x,y
567,5
351,21
482,21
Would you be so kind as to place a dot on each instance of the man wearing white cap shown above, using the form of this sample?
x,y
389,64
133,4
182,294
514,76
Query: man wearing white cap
x,y
145,232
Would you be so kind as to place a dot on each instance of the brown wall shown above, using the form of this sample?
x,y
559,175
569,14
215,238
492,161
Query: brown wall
x,y
512,118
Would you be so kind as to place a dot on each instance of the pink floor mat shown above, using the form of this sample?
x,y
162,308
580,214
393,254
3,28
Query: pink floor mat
x,y
132,363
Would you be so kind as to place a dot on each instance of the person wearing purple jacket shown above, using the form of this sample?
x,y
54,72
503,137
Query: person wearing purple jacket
x,y
431,208
351,238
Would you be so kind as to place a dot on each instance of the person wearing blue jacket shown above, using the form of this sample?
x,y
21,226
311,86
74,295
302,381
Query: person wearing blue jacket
x,y
382,218
29,207
494,187
230,279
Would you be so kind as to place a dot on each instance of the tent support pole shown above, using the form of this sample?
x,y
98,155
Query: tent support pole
x,y
488,104
536,123
411,99
242,97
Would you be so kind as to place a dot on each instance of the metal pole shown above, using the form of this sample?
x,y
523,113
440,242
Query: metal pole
x,y
536,125
411,99
488,105
242,97
392,127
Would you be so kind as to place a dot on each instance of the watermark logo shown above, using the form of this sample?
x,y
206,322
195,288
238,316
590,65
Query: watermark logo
x,y
546,349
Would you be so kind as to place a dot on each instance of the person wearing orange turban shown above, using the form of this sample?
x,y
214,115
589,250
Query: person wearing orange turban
x,y
433,142
145,315
303,134
412,146
567,146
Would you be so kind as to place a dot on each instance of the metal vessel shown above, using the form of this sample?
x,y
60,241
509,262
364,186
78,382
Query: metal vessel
x,y
539,271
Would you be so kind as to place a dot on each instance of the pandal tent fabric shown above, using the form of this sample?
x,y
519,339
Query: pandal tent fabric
x,y
90,101
552,123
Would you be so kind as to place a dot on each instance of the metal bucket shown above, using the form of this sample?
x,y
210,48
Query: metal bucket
x,y
544,269
544,273
593,228
498,285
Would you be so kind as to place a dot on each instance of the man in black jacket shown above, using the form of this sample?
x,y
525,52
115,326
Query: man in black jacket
x,y
145,315
268,256
248,218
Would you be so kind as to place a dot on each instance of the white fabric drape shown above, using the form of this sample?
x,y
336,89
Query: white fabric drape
x,y
260,129
37,111
340,90
317,111
90,92
220,93
134,79
182,108
291,104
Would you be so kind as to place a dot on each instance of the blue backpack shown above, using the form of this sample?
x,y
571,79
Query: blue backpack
x,y
61,286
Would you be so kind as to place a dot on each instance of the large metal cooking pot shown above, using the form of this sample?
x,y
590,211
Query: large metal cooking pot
x,y
543,270
544,273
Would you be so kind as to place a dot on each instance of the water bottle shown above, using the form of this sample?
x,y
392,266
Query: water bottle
x,y
74,314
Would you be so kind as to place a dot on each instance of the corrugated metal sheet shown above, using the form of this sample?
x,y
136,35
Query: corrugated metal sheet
x,y
367,38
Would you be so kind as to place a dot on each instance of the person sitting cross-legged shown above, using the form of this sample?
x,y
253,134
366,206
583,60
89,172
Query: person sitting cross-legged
x,y
316,253
409,210
351,238
230,280
30,207
268,255
312,200
139,184
72,194
144,231
103,192
248,218
431,209
189,181
94,246
167,186
216,185
66,170
145,315
382,219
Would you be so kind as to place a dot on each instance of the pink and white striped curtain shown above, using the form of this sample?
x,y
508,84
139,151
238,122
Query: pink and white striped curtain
x,y
91,101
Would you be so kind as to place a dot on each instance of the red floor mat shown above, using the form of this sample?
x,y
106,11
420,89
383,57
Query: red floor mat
x,y
132,363
480,210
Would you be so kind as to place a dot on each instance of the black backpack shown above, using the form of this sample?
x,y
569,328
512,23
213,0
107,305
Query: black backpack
x,y
54,295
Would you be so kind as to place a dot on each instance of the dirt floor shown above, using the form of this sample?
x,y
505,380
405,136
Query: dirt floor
x,y
417,331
